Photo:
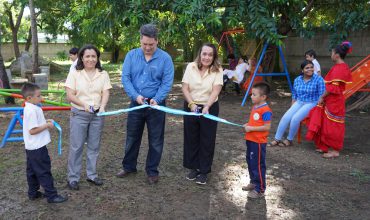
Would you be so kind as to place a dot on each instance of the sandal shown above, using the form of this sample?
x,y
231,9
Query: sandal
x,y
274,143
330,155
286,143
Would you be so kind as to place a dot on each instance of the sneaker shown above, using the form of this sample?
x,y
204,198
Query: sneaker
x,y
97,181
73,185
38,195
153,180
249,187
201,179
255,195
58,199
192,175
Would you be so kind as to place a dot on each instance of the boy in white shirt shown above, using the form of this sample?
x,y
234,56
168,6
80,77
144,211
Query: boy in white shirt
x,y
311,56
73,55
36,136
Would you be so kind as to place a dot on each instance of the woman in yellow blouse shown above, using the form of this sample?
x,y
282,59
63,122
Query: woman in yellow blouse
x,y
88,91
201,84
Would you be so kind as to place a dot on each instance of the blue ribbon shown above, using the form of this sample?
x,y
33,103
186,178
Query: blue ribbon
x,y
169,110
57,126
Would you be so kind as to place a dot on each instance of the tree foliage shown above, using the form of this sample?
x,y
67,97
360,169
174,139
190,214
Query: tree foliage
x,y
113,25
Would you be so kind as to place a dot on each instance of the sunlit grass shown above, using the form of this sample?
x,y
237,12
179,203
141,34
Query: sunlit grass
x,y
7,64
234,176
114,69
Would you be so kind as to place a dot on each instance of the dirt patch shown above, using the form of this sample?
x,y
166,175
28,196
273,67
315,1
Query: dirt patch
x,y
300,184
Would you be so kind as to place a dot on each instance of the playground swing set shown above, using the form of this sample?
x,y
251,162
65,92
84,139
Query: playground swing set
x,y
285,72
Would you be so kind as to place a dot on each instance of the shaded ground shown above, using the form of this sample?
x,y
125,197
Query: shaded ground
x,y
301,185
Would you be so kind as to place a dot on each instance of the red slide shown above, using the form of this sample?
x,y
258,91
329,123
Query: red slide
x,y
360,76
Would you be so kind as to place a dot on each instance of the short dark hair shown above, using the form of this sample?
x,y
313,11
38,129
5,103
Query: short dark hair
x,y
80,64
73,50
310,53
149,30
305,62
29,89
263,87
245,58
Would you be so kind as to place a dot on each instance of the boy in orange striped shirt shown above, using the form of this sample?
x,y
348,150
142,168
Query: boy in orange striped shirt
x,y
256,132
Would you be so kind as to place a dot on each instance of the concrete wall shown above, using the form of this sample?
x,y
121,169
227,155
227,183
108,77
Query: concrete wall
x,y
296,46
48,50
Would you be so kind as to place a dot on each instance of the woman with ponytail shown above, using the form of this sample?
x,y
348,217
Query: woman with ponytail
x,y
328,131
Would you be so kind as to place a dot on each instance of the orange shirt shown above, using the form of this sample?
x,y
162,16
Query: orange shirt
x,y
259,116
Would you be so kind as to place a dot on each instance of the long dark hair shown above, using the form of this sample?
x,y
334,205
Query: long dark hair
x,y
215,65
80,64
343,49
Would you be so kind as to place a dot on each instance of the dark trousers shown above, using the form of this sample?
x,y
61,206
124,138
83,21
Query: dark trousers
x,y
39,173
199,140
155,121
236,85
256,161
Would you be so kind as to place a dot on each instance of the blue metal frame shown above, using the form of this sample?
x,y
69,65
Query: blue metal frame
x,y
7,137
285,73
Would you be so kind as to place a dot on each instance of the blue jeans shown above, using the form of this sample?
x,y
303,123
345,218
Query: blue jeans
x,y
292,118
155,121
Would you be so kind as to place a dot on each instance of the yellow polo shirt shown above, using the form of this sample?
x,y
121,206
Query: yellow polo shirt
x,y
88,90
201,87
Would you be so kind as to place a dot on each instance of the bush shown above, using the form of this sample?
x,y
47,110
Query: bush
x,y
62,55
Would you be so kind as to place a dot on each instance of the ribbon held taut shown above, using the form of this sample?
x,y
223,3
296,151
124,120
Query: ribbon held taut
x,y
171,111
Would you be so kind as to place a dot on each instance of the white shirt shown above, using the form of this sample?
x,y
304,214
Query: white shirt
x,y
316,66
34,117
238,73
73,66
240,70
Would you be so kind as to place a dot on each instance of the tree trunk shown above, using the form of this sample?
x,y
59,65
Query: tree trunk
x,y
4,76
35,48
188,55
268,61
17,53
28,42
115,54
15,29
115,47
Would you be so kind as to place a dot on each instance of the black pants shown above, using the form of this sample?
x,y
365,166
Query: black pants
x,y
236,85
199,140
155,122
39,173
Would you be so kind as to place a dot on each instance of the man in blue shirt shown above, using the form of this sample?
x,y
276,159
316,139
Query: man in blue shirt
x,y
147,77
